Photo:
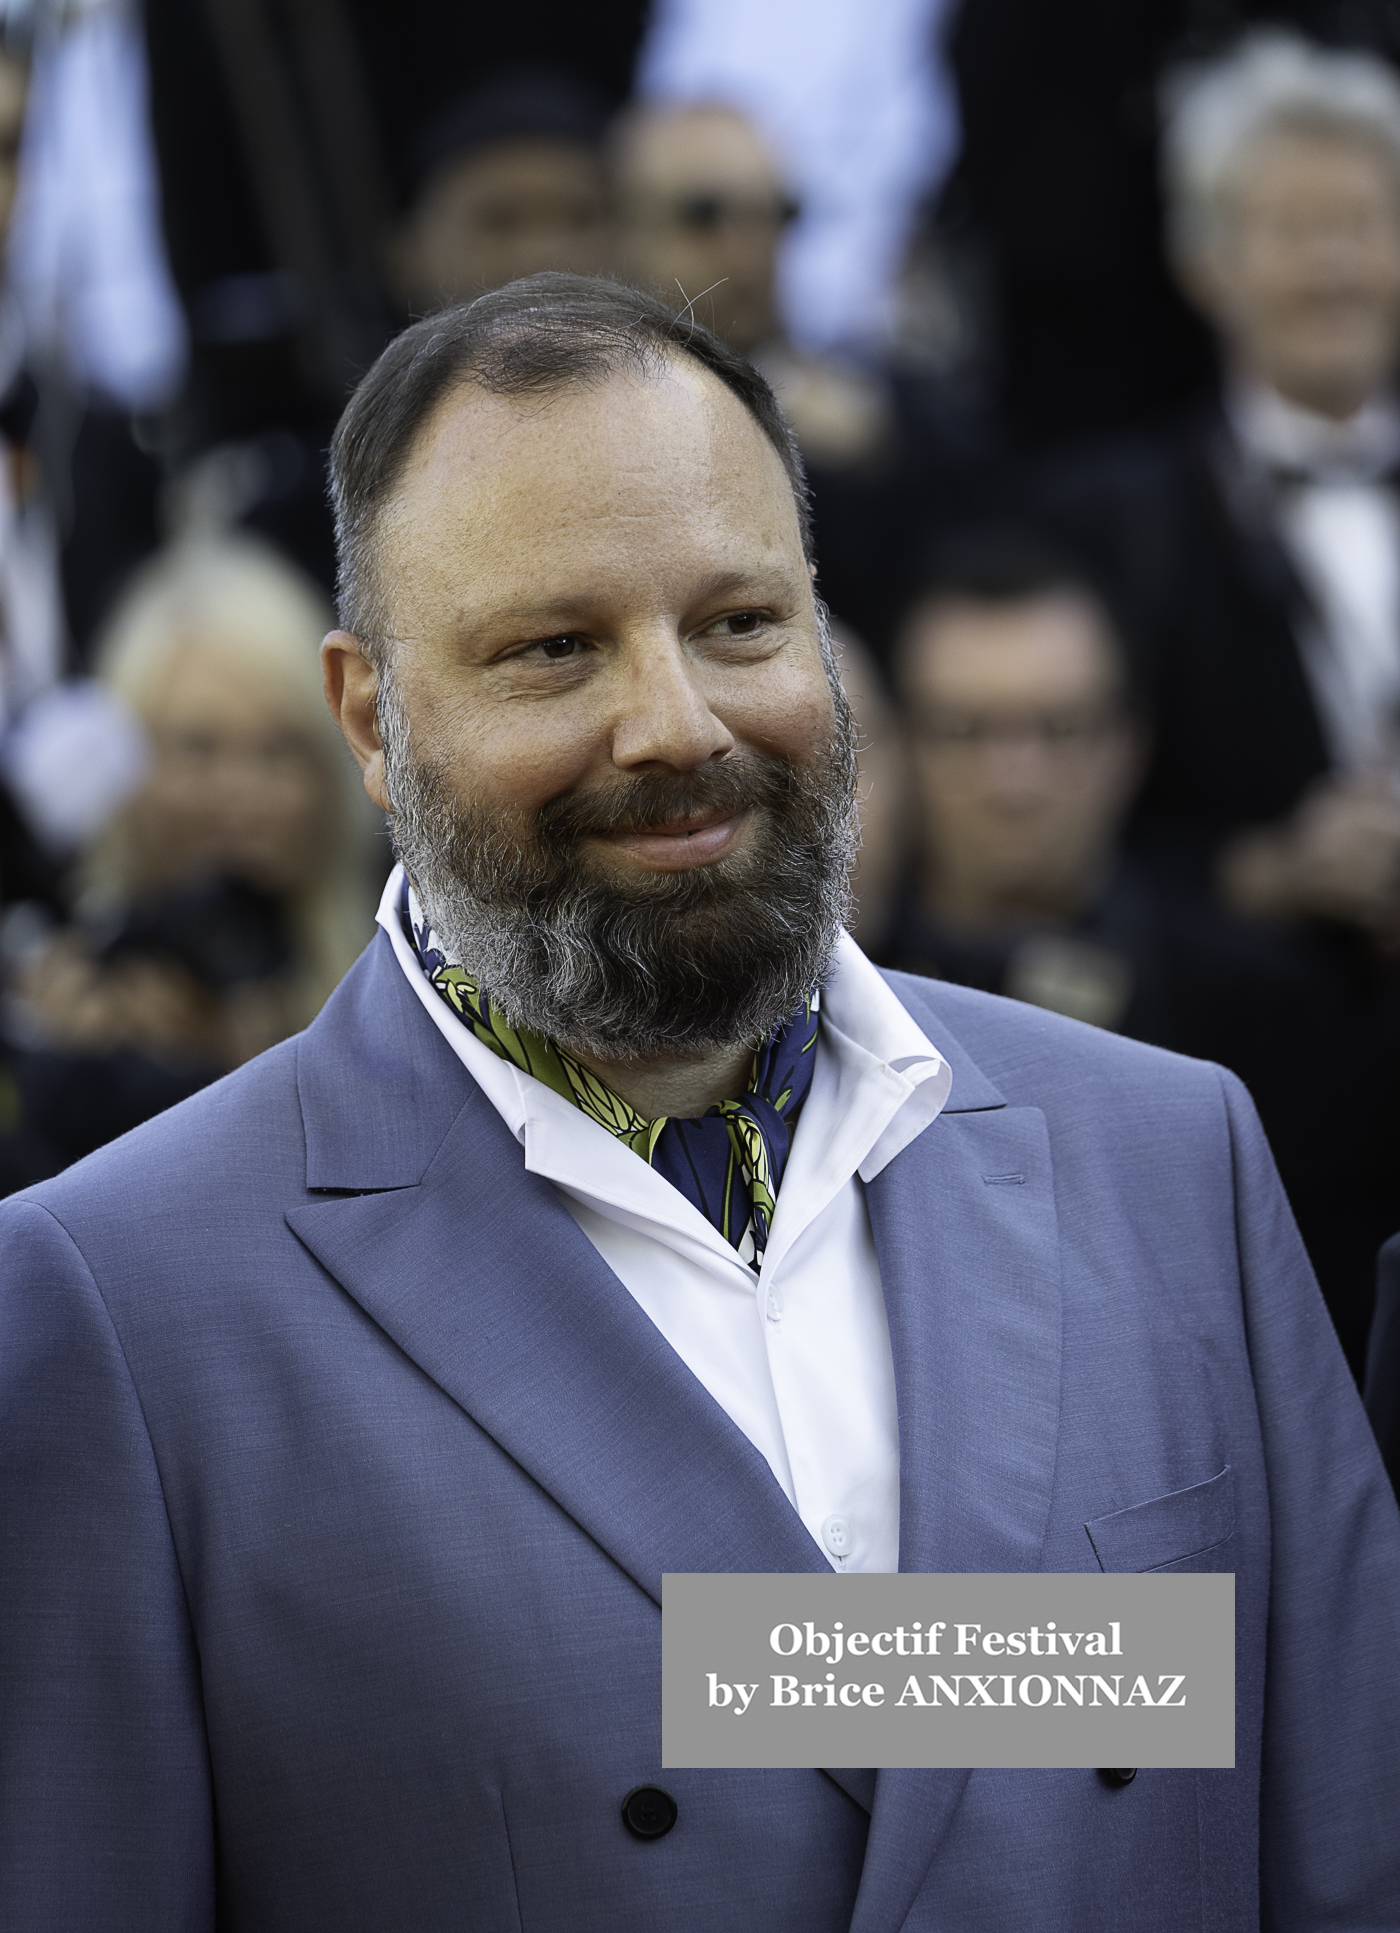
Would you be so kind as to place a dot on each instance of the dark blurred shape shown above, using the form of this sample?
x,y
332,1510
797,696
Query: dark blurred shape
x,y
220,931
1182,537
186,954
285,131
277,203
508,182
1056,189
514,103
1383,1361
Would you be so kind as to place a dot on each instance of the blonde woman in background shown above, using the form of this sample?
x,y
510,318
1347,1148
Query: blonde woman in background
x,y
220,907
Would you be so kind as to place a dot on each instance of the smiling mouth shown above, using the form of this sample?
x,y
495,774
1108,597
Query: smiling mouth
x,y
674,845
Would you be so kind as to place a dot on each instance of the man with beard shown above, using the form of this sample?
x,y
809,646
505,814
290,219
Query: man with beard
x,y
617,1217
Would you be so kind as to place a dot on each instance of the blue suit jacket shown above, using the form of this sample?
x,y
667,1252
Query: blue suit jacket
x,y
339,1477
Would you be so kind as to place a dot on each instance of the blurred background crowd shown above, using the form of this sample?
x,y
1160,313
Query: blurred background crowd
x,y
1087,318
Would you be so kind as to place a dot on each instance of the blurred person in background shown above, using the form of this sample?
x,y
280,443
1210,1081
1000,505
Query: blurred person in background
x,y
703,204
1024,754
703,207
1257,553
507,182
1254,556
859,105
225,901
1383,1361
1026,744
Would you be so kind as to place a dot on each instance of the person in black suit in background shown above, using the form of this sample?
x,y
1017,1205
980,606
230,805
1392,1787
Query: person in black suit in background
x,y
1254,558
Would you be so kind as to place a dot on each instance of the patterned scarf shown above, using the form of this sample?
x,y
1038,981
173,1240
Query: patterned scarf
x,y
728,1161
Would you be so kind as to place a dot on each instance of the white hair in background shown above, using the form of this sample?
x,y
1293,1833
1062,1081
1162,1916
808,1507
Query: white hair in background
x,y
1273,82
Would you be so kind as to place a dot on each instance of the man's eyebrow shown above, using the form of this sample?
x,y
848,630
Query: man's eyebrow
x,y
755,579
565,607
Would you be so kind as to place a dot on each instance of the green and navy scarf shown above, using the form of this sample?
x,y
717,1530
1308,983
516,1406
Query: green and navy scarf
x,y
728,1161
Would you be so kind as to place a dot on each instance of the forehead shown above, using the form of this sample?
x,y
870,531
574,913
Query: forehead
x,y
633,483
518,165
966,650
207,681
1282,163
713,146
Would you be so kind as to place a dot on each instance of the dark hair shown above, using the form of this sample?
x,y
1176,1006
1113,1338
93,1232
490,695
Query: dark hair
x,y
519,101
1000,564
1013,563
533,337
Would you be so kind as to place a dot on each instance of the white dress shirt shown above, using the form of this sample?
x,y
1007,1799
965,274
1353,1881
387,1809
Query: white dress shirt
x,y
1340,524
798,1356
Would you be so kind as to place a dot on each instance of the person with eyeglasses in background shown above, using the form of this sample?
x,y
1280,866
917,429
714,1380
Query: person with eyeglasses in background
x,y
1024,751
702,206
1026,742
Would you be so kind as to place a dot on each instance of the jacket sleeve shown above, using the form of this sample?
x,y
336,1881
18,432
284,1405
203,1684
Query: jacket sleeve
x,y
105,1807
1330,1797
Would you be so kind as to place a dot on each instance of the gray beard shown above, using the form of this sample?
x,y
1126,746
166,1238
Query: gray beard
x,y
663,964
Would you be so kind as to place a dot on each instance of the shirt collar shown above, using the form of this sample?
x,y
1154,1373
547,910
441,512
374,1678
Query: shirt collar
x,y
1286,436
879,1082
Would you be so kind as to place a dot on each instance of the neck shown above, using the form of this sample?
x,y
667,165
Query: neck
x,y
669,1086
1338,399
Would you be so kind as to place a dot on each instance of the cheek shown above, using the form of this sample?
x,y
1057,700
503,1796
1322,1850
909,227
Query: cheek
x,y
518,755
786,711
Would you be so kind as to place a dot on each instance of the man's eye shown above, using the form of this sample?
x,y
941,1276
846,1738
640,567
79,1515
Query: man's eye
x,y
742,624
557,647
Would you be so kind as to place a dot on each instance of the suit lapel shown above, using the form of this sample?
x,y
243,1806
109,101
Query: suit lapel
x,y
965,1229
483,1278
476,1270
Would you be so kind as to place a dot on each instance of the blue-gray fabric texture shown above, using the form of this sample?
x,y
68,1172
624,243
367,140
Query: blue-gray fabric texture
x,y
338,1475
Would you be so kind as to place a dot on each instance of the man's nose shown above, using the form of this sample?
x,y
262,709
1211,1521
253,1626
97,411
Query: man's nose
x,y
663,714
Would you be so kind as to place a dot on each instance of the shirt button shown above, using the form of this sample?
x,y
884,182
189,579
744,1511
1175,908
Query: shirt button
x,y
774,1306
836,1535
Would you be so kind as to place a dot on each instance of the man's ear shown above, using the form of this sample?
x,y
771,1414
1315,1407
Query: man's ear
x,y
352,689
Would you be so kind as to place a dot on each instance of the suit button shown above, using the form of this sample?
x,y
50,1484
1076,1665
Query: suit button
x,y
649,1812
1121,1778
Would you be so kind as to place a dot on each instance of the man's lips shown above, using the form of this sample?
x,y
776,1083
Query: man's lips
x,y
675,845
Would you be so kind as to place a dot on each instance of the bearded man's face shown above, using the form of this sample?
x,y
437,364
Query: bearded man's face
x,y
667,961
619,766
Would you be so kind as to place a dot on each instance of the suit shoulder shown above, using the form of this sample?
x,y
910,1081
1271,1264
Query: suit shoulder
x,y
240,1129
1036,1058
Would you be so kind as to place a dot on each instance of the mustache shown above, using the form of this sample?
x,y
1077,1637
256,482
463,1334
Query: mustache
x,y
662,798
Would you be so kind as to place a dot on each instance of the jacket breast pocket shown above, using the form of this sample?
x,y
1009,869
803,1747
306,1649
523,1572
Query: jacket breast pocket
x,y
1186,1530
